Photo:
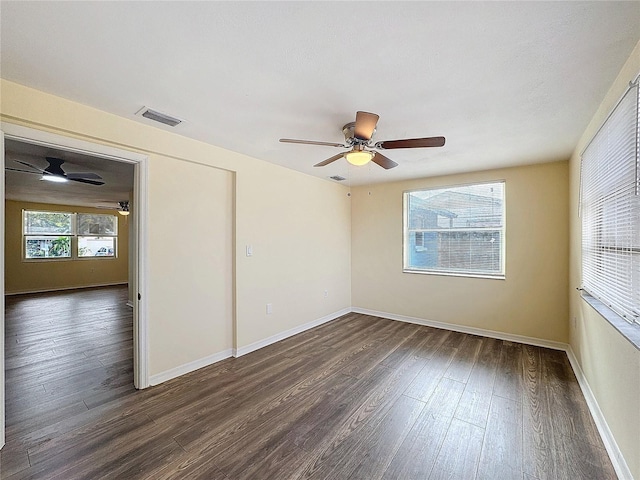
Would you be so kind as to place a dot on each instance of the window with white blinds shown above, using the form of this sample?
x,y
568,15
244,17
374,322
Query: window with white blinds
x,y
455,230
610,210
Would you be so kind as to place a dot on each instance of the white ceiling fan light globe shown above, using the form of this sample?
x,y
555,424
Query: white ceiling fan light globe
x,y
54,178
358,158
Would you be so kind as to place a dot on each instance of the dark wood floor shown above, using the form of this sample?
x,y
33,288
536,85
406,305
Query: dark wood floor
x,y
357,398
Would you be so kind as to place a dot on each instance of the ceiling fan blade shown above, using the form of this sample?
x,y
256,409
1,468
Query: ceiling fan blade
x,y
84,180
383,161
312,142
22,171
412,143
85,175
365,125
329,160
39,170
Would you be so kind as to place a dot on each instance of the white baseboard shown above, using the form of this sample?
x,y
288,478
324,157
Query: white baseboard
x,y
60,289
161,377
619,463
538,342
238,352
232,352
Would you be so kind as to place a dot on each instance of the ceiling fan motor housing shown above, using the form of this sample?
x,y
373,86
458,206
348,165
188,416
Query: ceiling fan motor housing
x,y
55,167
350,137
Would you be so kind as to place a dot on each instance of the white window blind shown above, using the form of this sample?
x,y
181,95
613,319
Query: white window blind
x,y
610,211
455,230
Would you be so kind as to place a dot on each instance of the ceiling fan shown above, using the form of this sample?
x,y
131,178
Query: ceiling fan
x,y
122,208
55,173
358,138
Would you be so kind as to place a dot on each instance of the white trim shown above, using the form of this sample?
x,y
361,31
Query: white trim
x,y
140,161
618,461
140,274
2,219
47,139
161,377
60,289
538,342
238,352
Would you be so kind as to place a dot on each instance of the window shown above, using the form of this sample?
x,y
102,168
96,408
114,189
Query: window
x,y
47,234
610,211
51,235
455,230
97,235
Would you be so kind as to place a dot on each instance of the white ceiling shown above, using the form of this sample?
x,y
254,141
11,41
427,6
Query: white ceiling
x,y
507,83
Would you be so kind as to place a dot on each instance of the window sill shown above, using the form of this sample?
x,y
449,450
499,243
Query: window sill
x,y
628,330
453,274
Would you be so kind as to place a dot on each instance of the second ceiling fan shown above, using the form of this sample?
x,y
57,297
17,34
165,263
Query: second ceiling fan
x,y
358,138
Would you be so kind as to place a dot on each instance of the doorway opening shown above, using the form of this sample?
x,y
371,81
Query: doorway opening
x,y
20,150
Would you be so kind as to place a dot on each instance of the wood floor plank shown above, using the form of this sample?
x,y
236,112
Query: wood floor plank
x,y
459,453
461,365
367,452
427,381
360,397
502,447
580,459
13,459
571,415
476,400
418,452
540,448
509,384
421,343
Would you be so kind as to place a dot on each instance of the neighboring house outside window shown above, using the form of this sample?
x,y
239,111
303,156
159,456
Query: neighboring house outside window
x,y
456,230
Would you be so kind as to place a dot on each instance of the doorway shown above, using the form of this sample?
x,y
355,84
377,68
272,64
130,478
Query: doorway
x,y
137,231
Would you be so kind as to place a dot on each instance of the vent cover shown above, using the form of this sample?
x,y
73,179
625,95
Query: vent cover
x,y
337,178
159,117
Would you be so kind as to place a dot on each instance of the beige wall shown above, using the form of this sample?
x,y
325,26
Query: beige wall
x,y
531,301
22,277
193,267
610,363
298,225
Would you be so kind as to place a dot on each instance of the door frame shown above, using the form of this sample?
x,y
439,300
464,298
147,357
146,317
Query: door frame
x,y
139,230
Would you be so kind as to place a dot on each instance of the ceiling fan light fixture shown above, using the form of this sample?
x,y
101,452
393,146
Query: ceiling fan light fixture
x,y
54,178
358,157
124,208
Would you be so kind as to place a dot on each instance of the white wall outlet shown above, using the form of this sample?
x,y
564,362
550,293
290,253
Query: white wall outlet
x,y
249,250
326,293
269,308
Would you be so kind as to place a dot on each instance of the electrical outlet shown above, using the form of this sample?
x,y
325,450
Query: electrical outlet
x,y
269,308
326,293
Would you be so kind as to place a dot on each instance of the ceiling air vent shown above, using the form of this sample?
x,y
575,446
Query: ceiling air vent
x,y
159,117
337,178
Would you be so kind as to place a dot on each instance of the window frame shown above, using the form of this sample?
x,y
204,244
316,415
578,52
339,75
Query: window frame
x,y
74,238
406,268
